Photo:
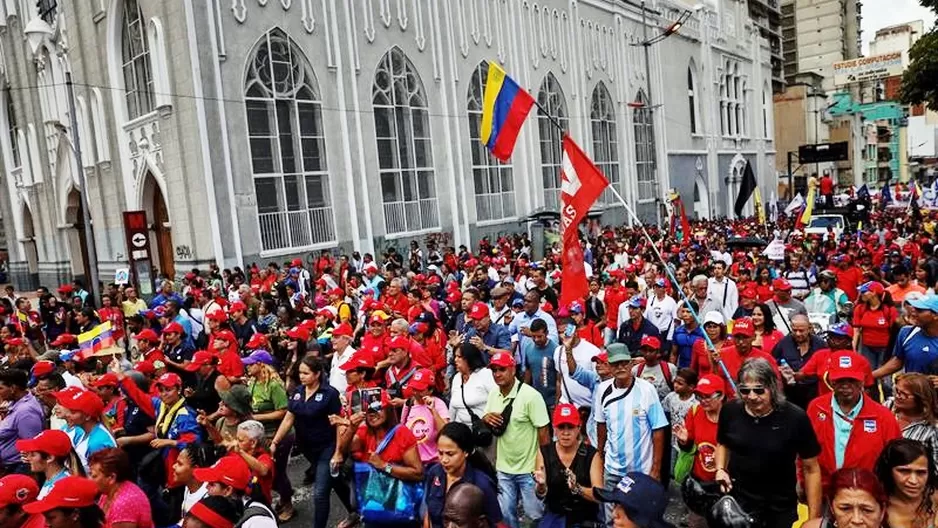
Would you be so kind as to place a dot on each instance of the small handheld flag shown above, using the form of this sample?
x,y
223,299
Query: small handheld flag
x,y
505,106
95,340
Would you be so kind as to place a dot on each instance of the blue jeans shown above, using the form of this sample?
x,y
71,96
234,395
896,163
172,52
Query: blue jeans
x,y
609,482
509,488
323,484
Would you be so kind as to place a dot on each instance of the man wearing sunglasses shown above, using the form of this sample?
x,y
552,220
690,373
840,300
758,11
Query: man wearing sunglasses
x,y
630,422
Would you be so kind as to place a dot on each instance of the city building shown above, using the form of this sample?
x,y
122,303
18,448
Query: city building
x,y
818,33
799,112
881,137
255,131
767,16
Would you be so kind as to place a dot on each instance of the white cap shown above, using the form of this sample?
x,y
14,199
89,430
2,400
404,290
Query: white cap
x,y
714,316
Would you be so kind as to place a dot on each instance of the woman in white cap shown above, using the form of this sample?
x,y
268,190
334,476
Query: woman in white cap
x,y
702,359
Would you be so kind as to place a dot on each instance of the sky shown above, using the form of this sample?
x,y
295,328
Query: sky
x,y
878,14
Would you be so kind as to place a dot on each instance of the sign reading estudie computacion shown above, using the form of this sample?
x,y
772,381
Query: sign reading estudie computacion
x,y
868,68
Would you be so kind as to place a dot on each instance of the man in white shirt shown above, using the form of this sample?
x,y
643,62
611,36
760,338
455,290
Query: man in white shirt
x,y
343,350
661,310
722,290
573,353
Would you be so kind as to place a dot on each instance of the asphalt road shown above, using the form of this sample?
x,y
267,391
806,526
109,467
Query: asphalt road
x,y
303,501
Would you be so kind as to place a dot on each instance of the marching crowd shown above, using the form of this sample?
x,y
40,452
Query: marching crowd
x,y
448,387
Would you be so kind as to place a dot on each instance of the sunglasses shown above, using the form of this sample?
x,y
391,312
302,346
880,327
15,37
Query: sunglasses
x,y
746,390
704,397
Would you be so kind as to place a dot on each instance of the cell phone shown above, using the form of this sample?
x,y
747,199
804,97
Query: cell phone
x,y
569,331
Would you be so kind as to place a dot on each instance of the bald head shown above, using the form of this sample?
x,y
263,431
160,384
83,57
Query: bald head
x,y
465,506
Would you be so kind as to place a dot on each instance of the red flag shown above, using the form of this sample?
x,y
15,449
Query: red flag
x,y
581,184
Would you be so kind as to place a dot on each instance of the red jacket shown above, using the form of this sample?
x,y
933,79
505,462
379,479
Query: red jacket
x,y
872,429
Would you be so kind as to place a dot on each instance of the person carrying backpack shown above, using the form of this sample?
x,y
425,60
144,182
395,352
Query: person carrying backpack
x,y
655,371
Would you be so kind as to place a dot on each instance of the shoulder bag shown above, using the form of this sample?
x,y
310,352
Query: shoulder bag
x,y
481,432
383,499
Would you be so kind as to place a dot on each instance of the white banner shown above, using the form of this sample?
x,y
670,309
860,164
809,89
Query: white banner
x,y
868,68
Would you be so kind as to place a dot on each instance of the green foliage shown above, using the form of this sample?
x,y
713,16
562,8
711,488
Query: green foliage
x,y
920,80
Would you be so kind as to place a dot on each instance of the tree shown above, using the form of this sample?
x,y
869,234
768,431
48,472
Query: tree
x,y
920,80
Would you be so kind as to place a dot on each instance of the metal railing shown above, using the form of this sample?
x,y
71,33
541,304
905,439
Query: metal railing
x,y
401,217
495,206
296,229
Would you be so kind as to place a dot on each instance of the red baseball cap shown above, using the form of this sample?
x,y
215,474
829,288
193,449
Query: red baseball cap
x,y
296,263
399,342
423,379
651,342
237,306
64,339
502,359
230,470
145,367
566,414
174,328
227,335
479,311
257,340
199,360
709,385
108,379
169,380
454,297
147,334
601,357
325,312
18,489
50,441
781,283
15,341
68,492
744,327
343,330
360,359
337,292
218,315
66,288
298,332
748,293
41,368
80,400
846,365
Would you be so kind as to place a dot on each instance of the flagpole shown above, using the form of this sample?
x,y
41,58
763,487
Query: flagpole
x,y
674,281
552,119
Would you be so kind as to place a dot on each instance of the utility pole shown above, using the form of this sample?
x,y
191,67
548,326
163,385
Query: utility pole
x,y
649,109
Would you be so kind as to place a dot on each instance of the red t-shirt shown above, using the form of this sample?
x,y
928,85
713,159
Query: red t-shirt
x,y
764,293
590,333
703,432
827,185
230,365
770,340
820,363
848,280
376,345
874,323
266,483
393,453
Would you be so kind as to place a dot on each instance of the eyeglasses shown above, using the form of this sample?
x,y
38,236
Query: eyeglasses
x,y
902,395
704,397
746,390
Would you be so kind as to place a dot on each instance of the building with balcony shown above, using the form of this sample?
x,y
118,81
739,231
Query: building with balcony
x,y
818,33
879,132
767,16
253,131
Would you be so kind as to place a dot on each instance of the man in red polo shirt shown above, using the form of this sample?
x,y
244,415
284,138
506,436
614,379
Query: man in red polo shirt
x,y
851,428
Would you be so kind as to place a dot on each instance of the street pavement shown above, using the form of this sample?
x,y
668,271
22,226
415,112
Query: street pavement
x,y
303,501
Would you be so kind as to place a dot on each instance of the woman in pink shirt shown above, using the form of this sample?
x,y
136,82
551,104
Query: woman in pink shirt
x,y
124,504
424,414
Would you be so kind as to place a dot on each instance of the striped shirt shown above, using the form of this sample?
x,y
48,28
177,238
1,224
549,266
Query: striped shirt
x,y
921,431
801,281
631,416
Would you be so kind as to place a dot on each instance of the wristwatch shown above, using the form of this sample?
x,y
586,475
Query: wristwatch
x,y
387,468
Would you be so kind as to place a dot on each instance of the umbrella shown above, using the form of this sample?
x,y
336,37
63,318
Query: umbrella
x,y
743,242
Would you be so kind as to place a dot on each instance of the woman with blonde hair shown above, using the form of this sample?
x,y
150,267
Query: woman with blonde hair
x,y
915,403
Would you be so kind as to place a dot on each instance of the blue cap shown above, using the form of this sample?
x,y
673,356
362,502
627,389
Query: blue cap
x,y
517,301
635,302
67,355
643,498
841,329
929,302
258,356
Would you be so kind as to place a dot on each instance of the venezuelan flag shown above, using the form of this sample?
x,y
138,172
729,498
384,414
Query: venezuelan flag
x,y
98,338
505,106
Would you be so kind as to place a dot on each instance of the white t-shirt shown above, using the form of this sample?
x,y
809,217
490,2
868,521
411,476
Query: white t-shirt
x,y
655,376
190,498
583,354
477,389
336,374
662,313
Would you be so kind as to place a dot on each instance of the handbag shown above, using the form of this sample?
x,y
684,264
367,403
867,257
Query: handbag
x,y
684,464
481,433
383,499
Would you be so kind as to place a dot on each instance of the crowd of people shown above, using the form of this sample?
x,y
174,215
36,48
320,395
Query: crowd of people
x,y
448,387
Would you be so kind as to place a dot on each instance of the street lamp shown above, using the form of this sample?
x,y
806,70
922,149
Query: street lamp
x,y
647,43
37,31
